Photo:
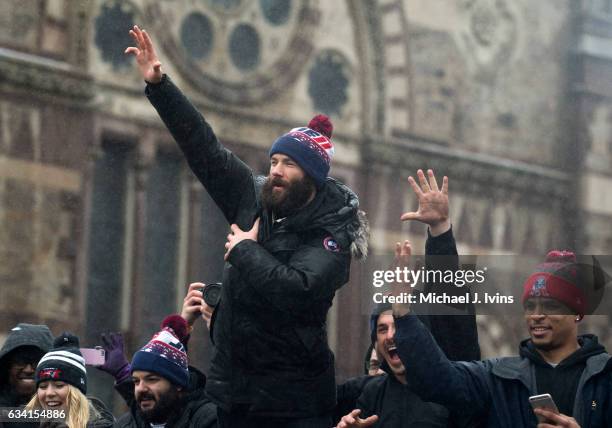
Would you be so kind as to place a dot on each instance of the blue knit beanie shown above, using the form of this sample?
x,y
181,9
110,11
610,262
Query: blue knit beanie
x,y
164,355
310,147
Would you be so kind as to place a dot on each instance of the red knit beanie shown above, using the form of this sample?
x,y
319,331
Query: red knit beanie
x,y
579,286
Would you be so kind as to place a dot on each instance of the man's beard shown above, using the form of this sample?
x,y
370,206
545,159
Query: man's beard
x,y
295,195
166,407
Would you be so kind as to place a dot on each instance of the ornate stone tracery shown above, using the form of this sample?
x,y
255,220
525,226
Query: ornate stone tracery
x,y
233,77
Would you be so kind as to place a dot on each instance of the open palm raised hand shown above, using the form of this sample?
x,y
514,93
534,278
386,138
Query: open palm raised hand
x,y
433,202
146,58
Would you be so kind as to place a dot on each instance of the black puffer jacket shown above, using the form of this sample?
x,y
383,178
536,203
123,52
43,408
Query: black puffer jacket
x,y
271,351
196,412
38,336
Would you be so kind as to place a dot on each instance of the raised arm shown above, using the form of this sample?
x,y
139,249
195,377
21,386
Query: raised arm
x,y
228,180
459,386
117,365
457,335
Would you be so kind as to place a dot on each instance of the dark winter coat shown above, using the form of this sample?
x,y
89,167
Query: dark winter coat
x,y
398,407
456,334
496,390
271,351
197,411
394,403
348,393
38,336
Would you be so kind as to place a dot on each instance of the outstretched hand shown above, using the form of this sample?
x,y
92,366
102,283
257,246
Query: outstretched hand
x,y
146,58
433,203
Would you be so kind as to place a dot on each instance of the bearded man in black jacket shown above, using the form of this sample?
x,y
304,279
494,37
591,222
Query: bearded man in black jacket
x,y
293,234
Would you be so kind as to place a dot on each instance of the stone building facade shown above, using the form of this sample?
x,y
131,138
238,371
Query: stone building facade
x,y
102,226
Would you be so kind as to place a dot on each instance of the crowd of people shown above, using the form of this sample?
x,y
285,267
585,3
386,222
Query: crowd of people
x,y
293,236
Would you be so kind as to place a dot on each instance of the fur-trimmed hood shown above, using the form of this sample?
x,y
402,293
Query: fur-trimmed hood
x,y
358,228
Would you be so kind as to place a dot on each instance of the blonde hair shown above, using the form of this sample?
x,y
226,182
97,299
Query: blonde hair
x,y
79,409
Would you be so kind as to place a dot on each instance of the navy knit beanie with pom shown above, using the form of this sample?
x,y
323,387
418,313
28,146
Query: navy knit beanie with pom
x,y
310,147
165,354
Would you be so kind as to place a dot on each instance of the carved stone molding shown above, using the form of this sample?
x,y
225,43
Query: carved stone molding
x,y
396,60
478,173
80,14
41,75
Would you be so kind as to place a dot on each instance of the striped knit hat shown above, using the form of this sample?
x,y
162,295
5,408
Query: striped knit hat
x,y
310,147
63,362
165,353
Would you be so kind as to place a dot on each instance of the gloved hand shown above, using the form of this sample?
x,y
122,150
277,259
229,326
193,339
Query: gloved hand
x,y
116,364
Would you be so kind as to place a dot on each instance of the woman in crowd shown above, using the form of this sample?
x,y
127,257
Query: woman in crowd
x,y
61,385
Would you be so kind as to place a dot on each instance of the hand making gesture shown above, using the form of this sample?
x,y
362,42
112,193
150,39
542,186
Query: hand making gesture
x,y
433,203
148,63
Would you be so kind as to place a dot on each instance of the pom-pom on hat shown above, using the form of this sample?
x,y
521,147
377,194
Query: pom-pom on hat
x,y
179,327
310,147
165,353
578,284
64,363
